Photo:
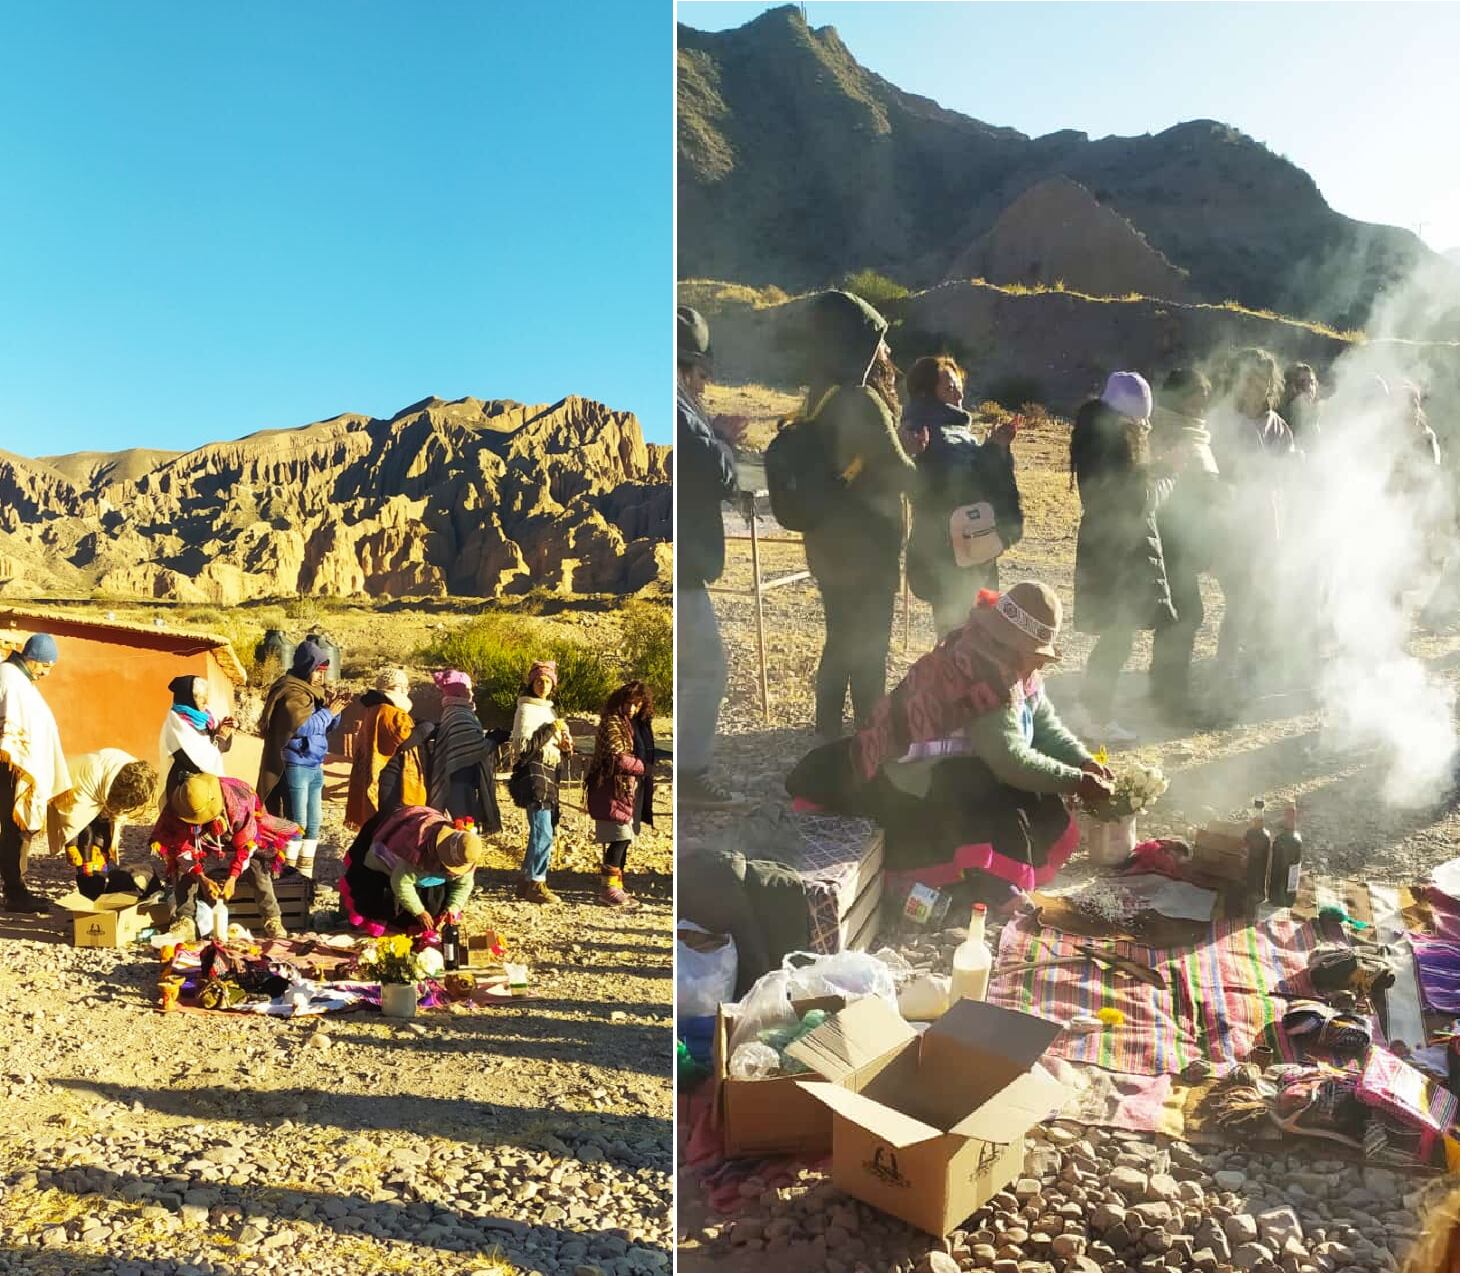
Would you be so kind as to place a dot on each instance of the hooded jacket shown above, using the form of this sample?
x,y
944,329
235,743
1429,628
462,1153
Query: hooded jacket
x,y
860,536
706,475
290,702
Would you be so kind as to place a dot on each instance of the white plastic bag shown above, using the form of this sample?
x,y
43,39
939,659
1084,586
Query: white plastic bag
x,y
850,975
703,979
204,917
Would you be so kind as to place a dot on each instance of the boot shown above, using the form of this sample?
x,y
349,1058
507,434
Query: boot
x,y
293,852
539,893
611,892
272,928
308,859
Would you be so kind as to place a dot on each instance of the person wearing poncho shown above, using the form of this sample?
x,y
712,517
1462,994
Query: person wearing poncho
x,y
33,770
86,822
539,742
381,733
462,780
965,764
413,867
214,829
192,740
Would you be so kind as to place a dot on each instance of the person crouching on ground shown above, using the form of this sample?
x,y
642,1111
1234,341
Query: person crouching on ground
x,y
965,764
954,470
539,743
192,740
410,868
620,783
86,822
33,769
298,717
213,830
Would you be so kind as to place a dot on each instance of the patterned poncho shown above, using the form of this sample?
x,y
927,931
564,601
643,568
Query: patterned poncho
x,y
245,829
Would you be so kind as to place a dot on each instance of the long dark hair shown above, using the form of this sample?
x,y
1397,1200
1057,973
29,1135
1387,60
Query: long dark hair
x,y
631,700
1102,442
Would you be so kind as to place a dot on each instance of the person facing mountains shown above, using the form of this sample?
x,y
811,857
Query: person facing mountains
x,y
953,471
853,550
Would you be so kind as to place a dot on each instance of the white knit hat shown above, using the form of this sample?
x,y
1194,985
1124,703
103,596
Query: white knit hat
x,y
1128,393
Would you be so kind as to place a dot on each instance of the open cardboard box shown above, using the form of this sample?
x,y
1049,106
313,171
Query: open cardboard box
x,y
928,1127
112,921
770,1116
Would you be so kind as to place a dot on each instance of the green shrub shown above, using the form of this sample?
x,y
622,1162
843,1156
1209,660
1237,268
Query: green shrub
x,y
878,290
497,651
649,650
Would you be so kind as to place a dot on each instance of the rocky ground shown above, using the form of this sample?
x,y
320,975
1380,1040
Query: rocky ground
x,y
533,1137
1283,748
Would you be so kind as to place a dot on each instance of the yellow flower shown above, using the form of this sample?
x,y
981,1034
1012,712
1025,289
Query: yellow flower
x,y
398,946
1101,756
1110,1017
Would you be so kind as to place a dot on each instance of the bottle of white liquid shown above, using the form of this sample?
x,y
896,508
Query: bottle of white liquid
x,y
971,966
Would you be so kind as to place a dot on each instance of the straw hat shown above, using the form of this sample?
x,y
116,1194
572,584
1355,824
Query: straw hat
x,y
199,800
1026,618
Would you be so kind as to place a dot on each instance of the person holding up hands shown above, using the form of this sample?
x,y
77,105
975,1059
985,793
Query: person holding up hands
x,y
540,743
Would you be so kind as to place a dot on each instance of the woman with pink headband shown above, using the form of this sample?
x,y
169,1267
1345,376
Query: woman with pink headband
x,y
461,776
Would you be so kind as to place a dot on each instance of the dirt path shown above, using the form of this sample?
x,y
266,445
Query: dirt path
x,y
534,1136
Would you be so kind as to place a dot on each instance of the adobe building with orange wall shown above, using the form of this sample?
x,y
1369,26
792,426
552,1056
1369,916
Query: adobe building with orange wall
x,y
110,687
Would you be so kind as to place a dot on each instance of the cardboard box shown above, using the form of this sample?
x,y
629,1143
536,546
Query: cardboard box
x,y
770,1116
1220,853
928,1127
112,921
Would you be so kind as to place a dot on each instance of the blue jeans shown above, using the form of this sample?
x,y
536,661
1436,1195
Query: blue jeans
x,y
538,845
304,798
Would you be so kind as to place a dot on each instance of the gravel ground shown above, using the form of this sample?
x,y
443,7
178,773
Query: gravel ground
x,y
534,1136
1276,752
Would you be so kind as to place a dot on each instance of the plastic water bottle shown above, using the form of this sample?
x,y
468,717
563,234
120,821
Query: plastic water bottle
x,y
971,966
222,921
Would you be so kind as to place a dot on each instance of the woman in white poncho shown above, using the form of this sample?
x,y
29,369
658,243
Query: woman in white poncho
x,y
192,742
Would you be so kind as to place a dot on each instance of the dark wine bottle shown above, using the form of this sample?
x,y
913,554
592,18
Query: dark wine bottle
x,y
1287,860
450,946
1259,854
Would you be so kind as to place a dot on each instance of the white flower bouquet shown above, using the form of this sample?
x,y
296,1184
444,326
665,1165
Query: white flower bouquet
x,y
1137,787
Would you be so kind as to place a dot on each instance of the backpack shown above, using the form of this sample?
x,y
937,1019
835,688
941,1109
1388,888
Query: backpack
x,y
801,483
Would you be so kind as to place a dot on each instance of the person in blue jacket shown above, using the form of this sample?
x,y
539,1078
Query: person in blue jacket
x,y
296,721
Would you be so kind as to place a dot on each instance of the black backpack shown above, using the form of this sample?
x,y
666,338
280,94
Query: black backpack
x,y
801,483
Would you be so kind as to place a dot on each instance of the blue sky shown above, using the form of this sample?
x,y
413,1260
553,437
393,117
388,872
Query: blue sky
x,y
1363,96
220,218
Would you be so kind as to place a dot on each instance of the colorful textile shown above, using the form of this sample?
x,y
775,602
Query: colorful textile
x,y
959,680
1391,1085
1439,968
242,831
985,858
1224,996
836,856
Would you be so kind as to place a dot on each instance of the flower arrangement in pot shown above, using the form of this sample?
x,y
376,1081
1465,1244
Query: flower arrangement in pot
x,y
393,962
1109,825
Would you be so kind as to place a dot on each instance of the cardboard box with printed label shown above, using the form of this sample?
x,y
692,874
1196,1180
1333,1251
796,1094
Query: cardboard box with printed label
x,y
111,921
770,1116
929,1126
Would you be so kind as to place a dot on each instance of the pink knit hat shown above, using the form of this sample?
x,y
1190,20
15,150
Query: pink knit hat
x,y
543,667
446,679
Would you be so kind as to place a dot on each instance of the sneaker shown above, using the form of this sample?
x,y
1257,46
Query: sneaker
x,y
27,902
540,893
699,792
186,930
273,929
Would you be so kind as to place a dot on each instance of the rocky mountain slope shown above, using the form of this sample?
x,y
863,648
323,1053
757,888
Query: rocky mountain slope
x,y
797,165
1043,346
468,497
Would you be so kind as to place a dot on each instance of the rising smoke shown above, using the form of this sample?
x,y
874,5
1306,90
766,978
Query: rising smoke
x,y
1368,523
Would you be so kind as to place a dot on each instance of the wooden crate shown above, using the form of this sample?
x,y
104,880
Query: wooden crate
x,y
293,893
